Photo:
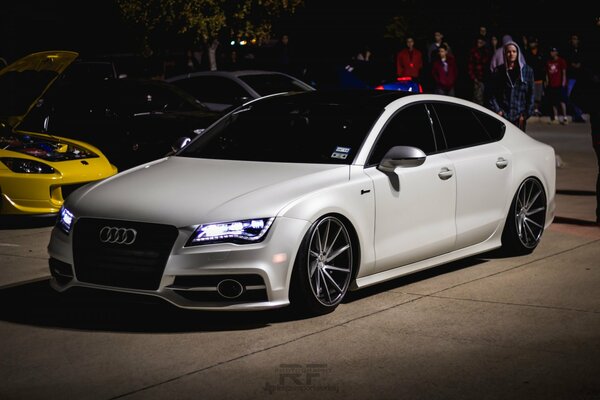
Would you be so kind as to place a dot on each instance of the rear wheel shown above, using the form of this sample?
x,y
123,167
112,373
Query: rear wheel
x,y
526,218
323,267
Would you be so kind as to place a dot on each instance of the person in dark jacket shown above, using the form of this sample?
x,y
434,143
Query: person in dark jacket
x,y
512,87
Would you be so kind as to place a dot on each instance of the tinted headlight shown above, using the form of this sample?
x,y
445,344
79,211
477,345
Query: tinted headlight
x,y
241,232
24,166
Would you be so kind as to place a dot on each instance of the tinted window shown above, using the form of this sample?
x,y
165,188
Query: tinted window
x,y
213,89
266,84
494,127
289,129
460,126
410,127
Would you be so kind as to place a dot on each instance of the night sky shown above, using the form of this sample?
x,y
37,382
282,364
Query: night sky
x,y
323,28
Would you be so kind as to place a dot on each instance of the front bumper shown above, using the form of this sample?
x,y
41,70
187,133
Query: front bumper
x,y
45,193
191,274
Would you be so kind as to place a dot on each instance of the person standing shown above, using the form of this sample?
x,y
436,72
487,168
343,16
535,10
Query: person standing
x,y
536,61
444,72
511,95
573,57
479,58
409,60
556,86
432,50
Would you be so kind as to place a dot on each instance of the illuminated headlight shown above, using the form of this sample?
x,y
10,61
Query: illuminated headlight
x,y
24,166
246,231
65,220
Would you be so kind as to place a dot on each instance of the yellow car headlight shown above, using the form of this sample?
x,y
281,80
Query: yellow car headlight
x,y
25,166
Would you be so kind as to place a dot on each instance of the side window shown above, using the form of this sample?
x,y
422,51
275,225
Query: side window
x,y
409,127
460,126
494,127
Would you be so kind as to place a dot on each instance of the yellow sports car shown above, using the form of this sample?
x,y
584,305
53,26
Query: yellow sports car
x,y
37,171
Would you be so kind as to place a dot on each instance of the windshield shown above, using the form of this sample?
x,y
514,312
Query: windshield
x,y
287,129
265,84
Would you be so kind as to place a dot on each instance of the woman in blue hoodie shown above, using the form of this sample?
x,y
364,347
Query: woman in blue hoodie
x,y
512,83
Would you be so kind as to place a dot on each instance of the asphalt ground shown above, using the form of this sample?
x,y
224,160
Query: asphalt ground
x,y
481,328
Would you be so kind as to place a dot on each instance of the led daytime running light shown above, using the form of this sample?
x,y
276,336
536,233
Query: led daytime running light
x,y
250,230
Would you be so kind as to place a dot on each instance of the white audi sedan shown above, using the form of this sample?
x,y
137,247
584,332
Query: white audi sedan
x,y
296,199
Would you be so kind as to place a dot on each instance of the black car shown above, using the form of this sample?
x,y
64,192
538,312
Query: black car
x,y
132,121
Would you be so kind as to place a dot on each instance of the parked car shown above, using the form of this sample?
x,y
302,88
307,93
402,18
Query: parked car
x,y
38,171
223,90
404,83
299,198
132,121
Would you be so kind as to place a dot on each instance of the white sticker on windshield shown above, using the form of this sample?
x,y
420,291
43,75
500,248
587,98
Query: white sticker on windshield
x,y
340,149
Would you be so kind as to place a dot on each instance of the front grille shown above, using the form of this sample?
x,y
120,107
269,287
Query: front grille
x,y
139,265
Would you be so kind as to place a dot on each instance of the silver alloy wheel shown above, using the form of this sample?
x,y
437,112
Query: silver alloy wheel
x,y
329,261
530,212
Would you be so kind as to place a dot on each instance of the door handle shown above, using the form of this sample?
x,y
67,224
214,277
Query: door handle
x,y
501,163
445,174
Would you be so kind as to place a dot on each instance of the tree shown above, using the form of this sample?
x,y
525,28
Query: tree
x,y
202,20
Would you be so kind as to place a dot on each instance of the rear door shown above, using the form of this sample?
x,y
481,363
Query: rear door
x,y
483,170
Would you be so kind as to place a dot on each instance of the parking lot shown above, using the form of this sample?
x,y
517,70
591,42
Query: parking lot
x,y
486,327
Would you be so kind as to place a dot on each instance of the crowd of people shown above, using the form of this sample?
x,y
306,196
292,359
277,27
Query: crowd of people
x,y
518,78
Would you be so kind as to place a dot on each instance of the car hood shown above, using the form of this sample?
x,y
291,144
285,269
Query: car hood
x,y
24,81
184,191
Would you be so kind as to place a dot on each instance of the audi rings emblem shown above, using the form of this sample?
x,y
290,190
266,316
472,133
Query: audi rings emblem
x,y
114,235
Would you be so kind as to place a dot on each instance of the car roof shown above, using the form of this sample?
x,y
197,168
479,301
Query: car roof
x,y
346,97
229,74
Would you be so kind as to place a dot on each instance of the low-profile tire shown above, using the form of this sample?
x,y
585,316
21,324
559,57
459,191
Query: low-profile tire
x,y
526,219
323,268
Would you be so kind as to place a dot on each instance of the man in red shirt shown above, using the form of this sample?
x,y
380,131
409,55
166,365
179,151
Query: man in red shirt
x,y
409,60
556,86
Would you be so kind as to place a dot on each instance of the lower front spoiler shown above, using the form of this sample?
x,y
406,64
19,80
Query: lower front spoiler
x,y
172,297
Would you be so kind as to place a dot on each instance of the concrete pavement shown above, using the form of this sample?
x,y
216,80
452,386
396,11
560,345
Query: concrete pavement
x,y
496,328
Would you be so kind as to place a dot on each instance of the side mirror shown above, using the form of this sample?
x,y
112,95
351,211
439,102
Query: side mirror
x,y
401,156
180,143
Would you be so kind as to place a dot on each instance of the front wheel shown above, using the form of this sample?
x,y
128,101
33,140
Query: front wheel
x,y
323,267
526,218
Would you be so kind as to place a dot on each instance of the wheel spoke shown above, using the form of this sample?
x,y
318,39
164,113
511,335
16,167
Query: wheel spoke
x,y
326,274
535,211
319,242
528,229
530,203
325,285
529,220
318,283
346,270
337,253
328,250
528,194
313,267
